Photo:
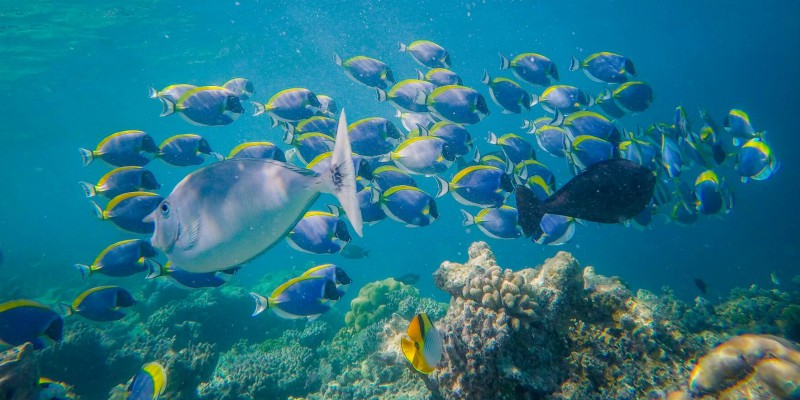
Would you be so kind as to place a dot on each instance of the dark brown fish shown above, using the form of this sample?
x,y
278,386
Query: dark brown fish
x,y
700,285
608,192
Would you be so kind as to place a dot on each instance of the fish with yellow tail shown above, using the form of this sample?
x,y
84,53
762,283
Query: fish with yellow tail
x,y
422,345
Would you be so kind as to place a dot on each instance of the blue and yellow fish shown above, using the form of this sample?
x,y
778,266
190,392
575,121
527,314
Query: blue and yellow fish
x,y
555,230
457,104
507,94
605,67
374,136
128,211
186,150
301,297
407,204
24,321
366,71
101,303
263,150
534,68
478,185
121,149
319,233
241,87
515,147
122,180
207,106
756,161
387,176
149,384
289,105
124,258
427,53
422,155
440,77
407,95
496,223
564,98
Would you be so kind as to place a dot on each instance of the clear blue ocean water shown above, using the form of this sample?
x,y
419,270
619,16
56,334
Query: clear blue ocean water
x,y
71,74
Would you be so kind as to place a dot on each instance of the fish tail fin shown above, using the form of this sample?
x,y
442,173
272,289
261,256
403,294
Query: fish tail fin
x,y
504,63
534,99
337,59
88,189
262,303
420,75
575,64
154,269
382,96
492,138
65,309
468,218
486,78
85,270
340,179
98,212
167,107
558,119
273,123
531,210
87,156
444,186
401,46
259,108
152,92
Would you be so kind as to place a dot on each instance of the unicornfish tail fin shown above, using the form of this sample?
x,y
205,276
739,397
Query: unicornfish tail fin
x,y
340,179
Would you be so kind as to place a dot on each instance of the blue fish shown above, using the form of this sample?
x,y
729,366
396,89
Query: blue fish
x,y
643,153
186,150
289,105
408,204
101,303
586,151
531,168
124,258
241,87
388,176
29,321
309,146
606,102
207,106
605,67
427,53
262,150
407,95
148,384
712,194
191,280
538,186
373,137
423,155
552,139
737,124
458,138
371,211
478,185
634,96
534,68
301,297
125,148
516,148
555,230
457,104
564,98
756,161
592,124
507,94
122,180
440,77
366,71
497,223
671,158
128,211
318,123
332,273
319,233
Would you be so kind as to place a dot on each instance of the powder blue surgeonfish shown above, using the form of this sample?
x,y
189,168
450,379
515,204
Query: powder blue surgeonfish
x,y
332,273
387,176
149,384
633,97
308,146
564,98
319,233
427,53
124,258
372,137
186,150
587,150
263,150
507,94
371,211
101,303
555,230
671,158
711,193
756,161
122,180
190,280
591,123
643,153
408,95
422,155
457,104
128,210
516,148
290,105
478,185
207,106
497,223
605,67
29,321
241,87
366,71
552,139
407,204
534,68
440,77
125,148
458,138
737,124
229,212
307,296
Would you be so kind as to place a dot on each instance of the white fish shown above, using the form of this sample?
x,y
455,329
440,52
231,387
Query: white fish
x,y
230,212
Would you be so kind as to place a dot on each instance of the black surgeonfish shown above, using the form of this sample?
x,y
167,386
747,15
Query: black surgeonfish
x,y
607,192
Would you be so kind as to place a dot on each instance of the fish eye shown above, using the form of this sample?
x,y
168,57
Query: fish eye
x,y
164,209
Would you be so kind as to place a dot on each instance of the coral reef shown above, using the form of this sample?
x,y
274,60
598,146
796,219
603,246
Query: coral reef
x,y
377,300
19,373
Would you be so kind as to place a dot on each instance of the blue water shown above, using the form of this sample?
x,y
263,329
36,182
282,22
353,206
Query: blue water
x,y
77,73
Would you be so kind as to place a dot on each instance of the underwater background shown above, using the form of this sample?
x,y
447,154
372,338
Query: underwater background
x,y
74,72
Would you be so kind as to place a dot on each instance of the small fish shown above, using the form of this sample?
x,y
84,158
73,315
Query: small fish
x,y
407,95
125,148
169,95
592,124
29,321
190,280
633,97
556,230
422,345
586,151
605,67
607,192
457,104
387,176
507,94
458,138
124,258
309,146
564,98
671,158
478,185
516,148
122,180
701,285
334,274
366,71
407,204
408,279
422,155
496,223
427,53
262,150
440,77
710,193
372,137
186,150
289,105
552,139
774,278
128,210
301,297
207,106
101,303
737,124
534,68
354,252
756,161
261,199
149,384
319,233
241,87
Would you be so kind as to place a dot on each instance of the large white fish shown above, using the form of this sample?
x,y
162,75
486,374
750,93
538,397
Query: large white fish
x,y
230,212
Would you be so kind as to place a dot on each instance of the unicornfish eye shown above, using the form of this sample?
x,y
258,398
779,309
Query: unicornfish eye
x,y
164,208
